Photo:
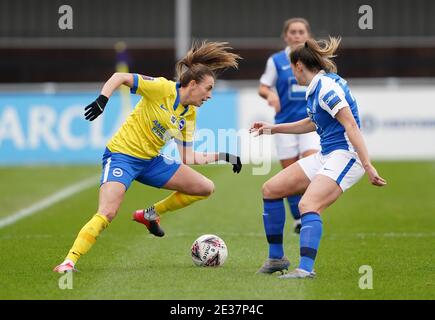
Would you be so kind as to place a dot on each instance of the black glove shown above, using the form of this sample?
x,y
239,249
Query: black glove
x,y
234,160
96,108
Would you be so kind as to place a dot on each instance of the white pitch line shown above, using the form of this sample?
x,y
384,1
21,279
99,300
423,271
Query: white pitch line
x,y
48,201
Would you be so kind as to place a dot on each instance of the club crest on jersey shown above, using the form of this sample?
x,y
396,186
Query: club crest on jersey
x,y
181,124
173,119
117,172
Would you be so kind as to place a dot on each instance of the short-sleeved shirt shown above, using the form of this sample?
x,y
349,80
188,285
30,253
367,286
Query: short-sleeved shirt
x,y
326,95
157,118
279,74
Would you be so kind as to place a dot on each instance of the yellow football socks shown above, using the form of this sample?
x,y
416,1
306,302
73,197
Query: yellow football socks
x,y
87,237
176,200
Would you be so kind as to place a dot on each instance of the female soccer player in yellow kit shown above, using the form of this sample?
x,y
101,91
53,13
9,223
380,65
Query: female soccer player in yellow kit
x,y
167,110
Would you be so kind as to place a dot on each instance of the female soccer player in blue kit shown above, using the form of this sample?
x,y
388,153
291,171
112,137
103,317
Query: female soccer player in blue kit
x,y
288,100
167,110
324,176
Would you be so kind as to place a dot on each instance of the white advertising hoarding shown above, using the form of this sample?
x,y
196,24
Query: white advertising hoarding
x,y
398,122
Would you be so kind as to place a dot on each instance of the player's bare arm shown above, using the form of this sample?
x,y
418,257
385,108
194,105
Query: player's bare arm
x,y
301,126
115,81
93,110
345,117
270,95
189,157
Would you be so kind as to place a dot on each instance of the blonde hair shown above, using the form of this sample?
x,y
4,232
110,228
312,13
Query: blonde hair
x,y
317,55
206,58
290,21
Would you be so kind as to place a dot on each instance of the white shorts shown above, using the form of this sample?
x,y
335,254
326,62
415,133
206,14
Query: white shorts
x,y
291,145
342,166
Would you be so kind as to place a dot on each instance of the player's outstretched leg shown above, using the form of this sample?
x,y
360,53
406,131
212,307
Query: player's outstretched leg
x,y
150,219
189,185
111,196
83,243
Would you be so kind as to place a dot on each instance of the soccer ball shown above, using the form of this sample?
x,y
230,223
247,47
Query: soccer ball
x,y
209,251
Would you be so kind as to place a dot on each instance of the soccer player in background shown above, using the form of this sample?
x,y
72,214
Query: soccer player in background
x,y
167,110
279,87
324,176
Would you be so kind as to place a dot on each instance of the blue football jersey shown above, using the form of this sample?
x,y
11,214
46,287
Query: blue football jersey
x,y
326,95
291,95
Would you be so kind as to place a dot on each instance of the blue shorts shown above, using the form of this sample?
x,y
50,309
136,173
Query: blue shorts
x,y
123,168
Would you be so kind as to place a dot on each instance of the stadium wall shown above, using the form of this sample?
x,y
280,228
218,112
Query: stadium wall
x,y
398,123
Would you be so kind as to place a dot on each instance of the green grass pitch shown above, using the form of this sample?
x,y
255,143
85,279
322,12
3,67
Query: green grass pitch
x,y
391,229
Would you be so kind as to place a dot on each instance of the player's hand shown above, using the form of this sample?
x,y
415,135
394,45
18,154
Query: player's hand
x,y
374,177
234,160
261,127
273,101
96,108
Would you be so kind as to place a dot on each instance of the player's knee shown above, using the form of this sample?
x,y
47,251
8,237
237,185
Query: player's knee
x,y
205,188
208,188
307,206
269,191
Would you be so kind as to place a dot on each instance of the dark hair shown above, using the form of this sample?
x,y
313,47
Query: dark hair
x,y
317,55
204,59
290,21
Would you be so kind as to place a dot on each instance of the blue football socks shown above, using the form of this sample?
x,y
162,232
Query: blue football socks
x,y
274,220
293,202
311,232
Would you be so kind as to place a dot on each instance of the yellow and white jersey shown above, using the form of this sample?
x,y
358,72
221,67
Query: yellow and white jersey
x,y
157,118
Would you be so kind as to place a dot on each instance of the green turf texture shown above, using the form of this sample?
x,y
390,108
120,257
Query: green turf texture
x,y
391,229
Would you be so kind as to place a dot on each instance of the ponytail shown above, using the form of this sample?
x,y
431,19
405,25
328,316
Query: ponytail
x,y
317,55
203,59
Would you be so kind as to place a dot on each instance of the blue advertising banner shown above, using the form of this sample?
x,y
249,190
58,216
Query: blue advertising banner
x,y
51,129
